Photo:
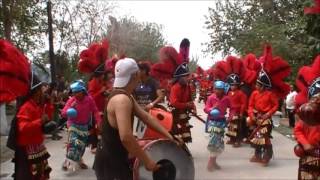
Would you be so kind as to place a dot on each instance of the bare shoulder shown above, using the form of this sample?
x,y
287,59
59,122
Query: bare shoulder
x,y
121,100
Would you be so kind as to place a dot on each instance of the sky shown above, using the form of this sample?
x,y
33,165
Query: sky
x,y
180,19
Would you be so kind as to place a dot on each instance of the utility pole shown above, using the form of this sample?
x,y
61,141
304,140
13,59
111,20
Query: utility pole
x,y
51,51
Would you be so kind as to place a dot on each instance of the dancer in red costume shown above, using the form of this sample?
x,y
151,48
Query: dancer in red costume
x,y
174,65
26,135
263,103
232,71
307,130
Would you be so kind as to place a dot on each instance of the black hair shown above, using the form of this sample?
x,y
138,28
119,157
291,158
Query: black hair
x,y
144,67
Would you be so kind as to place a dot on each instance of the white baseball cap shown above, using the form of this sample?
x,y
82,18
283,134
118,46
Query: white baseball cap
x,y
123,70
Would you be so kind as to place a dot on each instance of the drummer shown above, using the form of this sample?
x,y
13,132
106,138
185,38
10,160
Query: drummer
x,y
147,93
111,161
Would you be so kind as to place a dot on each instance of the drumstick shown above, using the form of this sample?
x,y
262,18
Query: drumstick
x,y
198,117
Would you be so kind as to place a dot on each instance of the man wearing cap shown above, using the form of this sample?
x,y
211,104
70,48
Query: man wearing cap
x,y
181,101
111,160
78,124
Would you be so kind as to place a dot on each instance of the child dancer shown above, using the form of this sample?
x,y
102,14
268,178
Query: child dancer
x,y
78,109
216,107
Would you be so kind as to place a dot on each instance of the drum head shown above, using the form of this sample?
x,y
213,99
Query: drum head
x,y
176,163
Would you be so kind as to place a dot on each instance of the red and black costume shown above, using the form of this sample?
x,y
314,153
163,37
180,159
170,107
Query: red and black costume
x,y
307,130
26,135
31,151
233,72
180,98
263,103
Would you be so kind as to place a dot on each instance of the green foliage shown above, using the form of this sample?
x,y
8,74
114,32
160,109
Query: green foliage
x,y
27,21
245,26
193,63
140,41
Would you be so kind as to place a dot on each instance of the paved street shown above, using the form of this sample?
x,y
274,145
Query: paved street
x,y
234,162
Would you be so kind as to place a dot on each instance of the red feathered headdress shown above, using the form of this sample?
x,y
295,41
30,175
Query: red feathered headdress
x,y
93,57
252,68
307,100
305,77
200,71
275,70
169,61
14,72
232,70
184,50
110,64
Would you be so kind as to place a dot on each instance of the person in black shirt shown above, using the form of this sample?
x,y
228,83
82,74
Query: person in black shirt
x,y
147,92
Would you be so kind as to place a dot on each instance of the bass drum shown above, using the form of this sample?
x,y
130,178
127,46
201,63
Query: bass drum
x,y
176,162
166,120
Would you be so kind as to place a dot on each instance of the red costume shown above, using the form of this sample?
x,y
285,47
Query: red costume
x,y
205,89
233,72
30,124
173,65
26,132
263,103
179,100
307,130
96,89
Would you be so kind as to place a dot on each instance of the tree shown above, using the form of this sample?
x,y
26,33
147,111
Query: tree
x,y
193,63
23,22
141,41
245,26
79,23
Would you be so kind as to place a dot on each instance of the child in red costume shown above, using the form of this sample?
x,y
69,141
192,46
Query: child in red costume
x,y
236,115
181,101
307,130
233,72
263,103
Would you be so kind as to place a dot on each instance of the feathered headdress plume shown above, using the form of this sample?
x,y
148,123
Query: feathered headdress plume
x,y
252,68
184,50
15,72
305,77
168,63
93,57
232,70
276,70
307,100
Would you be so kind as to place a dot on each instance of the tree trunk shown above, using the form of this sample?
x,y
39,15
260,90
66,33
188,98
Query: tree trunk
x,y
7,22
51,51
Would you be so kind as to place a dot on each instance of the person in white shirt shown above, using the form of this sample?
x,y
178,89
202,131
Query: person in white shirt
x,y
290,106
